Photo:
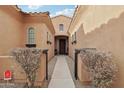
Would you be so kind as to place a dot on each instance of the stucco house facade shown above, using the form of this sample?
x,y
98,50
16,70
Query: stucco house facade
x,y
99,27
19,29
20,25
91,26
61,24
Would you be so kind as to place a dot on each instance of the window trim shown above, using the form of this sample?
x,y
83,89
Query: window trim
x,y
61,29
48,38
74,38
31,37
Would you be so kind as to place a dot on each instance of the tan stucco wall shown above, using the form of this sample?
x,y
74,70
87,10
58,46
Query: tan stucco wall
x,y
11,31
14,27
61,20
13,34
79,39
41,37
83,74
95,15
9,63
41,72
19,76
57,20
44,41
106,37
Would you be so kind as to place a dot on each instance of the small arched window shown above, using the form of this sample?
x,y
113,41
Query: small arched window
x,y
31,36
61,27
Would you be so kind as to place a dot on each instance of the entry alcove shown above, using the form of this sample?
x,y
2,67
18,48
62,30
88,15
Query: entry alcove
x,y
61,45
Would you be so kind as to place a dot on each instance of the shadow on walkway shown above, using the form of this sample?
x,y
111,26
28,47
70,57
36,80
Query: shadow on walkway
x,y
51,66
78,84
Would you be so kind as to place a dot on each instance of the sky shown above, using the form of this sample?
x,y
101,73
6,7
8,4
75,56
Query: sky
x,y
54,10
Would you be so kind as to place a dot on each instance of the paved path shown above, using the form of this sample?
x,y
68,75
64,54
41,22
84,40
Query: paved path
x,y
77,83
61,77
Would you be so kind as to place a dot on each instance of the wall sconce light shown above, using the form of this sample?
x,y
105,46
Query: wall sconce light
x,y
49,42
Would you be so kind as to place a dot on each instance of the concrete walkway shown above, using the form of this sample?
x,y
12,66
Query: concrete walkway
x,y
61,77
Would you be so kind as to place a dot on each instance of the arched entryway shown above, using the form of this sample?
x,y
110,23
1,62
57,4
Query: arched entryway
x,y
61,45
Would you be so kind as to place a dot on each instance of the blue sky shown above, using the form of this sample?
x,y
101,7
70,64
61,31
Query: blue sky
x,y
54,10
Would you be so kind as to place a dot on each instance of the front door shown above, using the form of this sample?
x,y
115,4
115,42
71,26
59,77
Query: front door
x,y
62,46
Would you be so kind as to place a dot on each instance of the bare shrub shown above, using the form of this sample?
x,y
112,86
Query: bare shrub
x,y
29,59
101,65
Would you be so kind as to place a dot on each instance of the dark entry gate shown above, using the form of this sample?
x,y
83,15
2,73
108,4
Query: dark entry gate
x,y
75,63
77,51
46,52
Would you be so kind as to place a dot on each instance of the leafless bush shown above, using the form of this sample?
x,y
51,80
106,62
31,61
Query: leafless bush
x,y
101,65
29,59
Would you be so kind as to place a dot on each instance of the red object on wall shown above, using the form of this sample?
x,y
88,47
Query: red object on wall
x,y
7,75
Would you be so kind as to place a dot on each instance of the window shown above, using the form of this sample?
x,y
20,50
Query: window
x,y
72,38
31,36
75,36
61,27
48,38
